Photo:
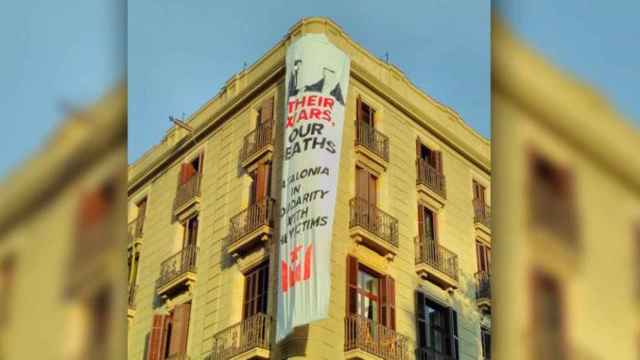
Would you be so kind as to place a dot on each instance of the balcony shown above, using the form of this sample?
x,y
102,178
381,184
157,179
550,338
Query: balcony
x,y
431,181
257,144
372,146
134,231
187,195
483,290
365,339
248,339
430,354
373,227
177,272
482,216
251,227
436,263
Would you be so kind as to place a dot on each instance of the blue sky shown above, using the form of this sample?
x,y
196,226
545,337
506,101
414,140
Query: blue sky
x,y
598,41
52,53
180,53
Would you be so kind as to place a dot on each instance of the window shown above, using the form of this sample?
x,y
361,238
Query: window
x,y
190,169
485,338
370,295
265,112
169,334
142,210
132,261
365,114
255,291
478,193
483,252
260,188
430,157
437,329
366,186
427,224
548,318
190,232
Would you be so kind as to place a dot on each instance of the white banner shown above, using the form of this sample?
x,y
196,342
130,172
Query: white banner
x,y
317,78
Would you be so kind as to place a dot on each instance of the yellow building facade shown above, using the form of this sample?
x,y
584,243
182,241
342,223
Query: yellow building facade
x,y
567,214
411,237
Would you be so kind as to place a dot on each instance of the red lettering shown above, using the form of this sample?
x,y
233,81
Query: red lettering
x,y
328,102
314,113
303,115
326,115
311,100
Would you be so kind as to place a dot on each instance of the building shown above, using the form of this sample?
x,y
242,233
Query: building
x,y
411,241
567,214
61,254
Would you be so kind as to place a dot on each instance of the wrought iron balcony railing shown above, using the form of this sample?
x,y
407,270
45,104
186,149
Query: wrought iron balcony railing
x,y
376,339
374,220
178,264
246,335
373,140
429,252
187,191
431,354
431,177
250,219
257,140
482,213
483,285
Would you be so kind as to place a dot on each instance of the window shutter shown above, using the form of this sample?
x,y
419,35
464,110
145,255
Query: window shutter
x,y
359,115
156,337
186,172
260,185
180,329
352,285
453,321
388,302
421,320
438,160
361,183
373,198
436,233
420,223
266,111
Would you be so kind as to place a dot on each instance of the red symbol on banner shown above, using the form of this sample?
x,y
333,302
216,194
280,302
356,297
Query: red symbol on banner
x,y
292,272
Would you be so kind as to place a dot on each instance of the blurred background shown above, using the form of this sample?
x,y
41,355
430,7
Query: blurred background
x,y
566,180
63,180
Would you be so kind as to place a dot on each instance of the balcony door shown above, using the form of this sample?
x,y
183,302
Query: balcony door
x,y
478,193
483,251
364,116
255,291
427,224
370,296
429,157
437,328
260,187
190,241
